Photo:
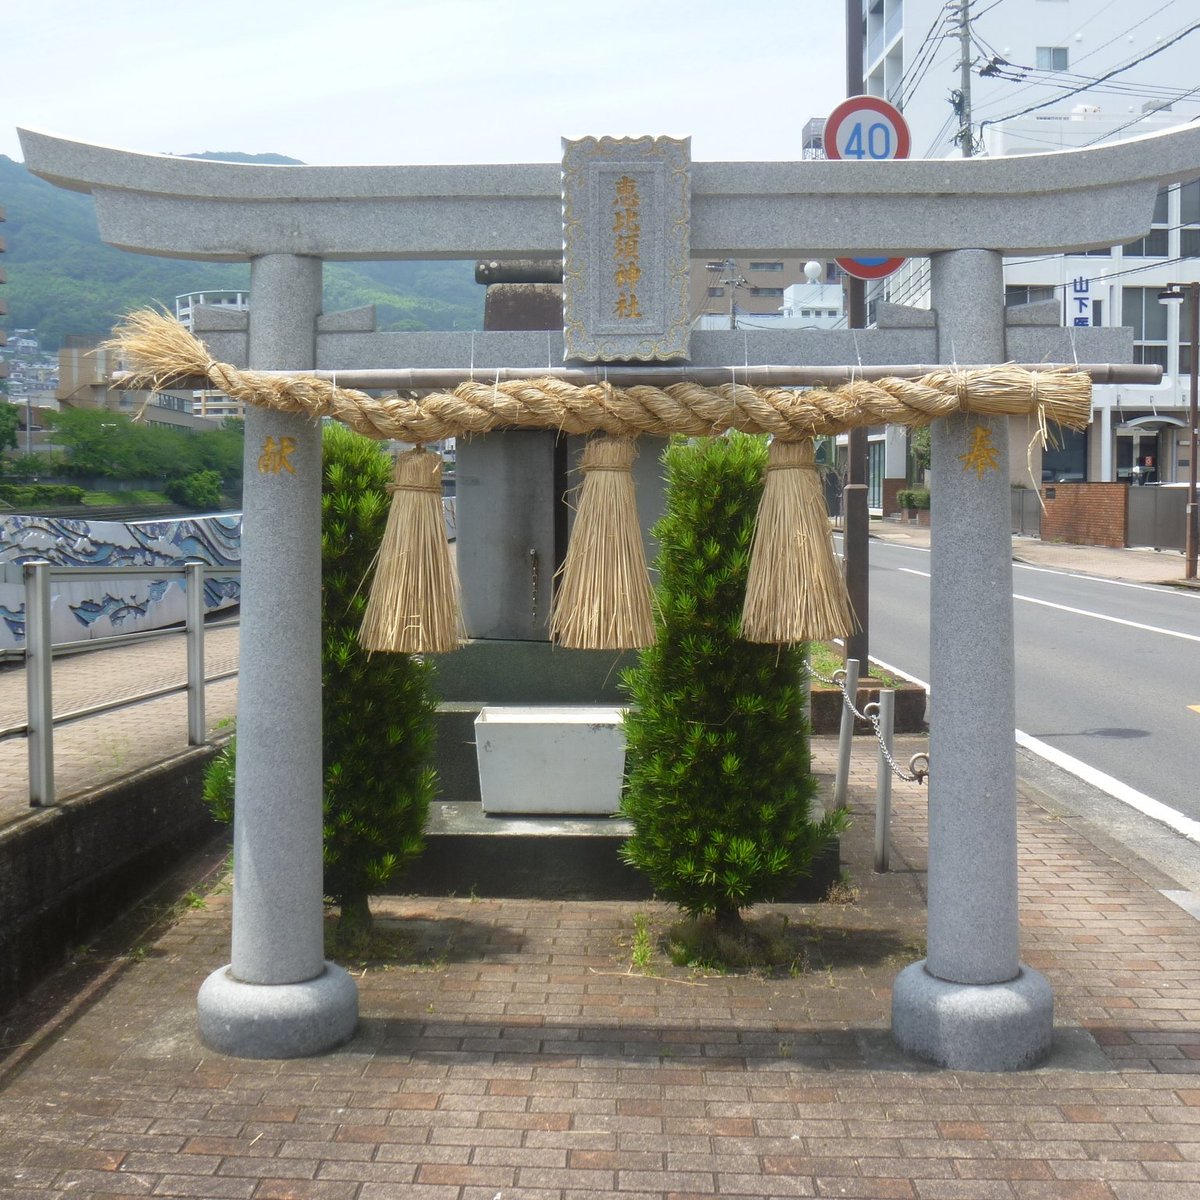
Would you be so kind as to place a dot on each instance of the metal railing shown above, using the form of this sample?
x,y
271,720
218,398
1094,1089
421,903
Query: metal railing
x,y
40,649
880,715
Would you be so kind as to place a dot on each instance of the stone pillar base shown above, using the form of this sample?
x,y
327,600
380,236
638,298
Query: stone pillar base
x,y
285,1020
973,1027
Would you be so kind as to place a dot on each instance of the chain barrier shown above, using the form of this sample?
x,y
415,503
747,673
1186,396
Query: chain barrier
x,y
918,765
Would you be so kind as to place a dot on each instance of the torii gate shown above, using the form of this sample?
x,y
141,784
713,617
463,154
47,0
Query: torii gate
x,y
971,1003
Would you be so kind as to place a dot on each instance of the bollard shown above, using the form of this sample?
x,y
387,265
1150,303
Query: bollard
x,y
194,592
846,731
884,712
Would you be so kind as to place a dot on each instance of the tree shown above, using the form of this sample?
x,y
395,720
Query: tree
x,y
718,773
10,421
377,709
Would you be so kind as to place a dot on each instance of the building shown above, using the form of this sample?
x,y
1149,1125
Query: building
x,y
85,371
733,294
207,402
1064,74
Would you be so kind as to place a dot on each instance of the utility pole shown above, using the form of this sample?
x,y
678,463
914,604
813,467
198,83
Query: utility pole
x,y
732,281
965,139
856,519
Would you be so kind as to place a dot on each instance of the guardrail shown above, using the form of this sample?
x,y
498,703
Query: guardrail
x,y
39,652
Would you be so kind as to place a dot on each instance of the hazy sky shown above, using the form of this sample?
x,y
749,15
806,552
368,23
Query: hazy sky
x,y
421,81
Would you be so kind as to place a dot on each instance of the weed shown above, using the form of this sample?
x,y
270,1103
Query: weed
x,y
843,890
643,950
194,900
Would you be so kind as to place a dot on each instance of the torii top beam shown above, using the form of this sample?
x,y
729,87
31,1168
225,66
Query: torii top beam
x,y
1039,203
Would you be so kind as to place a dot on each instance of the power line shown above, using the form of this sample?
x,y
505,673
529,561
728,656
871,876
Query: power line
x,y
1083,87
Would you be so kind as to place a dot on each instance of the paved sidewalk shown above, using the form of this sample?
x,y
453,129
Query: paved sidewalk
x,y
511,1050
97,750
514,1052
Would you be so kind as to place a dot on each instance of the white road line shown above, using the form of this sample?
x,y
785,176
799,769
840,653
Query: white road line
x,y
1147,805
1083,612
1160,588
1150,807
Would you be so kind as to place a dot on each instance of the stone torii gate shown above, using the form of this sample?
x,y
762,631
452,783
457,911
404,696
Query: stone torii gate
x,y
971,1003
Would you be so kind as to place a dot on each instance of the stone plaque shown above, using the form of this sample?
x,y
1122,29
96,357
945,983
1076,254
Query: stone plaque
x,y
626,237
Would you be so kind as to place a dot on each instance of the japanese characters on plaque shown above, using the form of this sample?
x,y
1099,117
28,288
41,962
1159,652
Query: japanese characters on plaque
x,y
626,207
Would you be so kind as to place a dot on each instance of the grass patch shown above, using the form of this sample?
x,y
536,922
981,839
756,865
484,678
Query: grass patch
x,y
124,499
826,659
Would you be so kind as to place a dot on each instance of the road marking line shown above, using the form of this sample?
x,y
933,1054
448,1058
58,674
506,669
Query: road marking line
x,y
1194,707
1161,589
1083,612
1147,805
1154,809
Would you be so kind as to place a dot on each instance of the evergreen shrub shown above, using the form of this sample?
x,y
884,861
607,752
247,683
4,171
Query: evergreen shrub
x,y
199,490
718,783
39,495
377,709
913,498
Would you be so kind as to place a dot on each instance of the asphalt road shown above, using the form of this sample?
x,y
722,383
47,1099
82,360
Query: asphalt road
x,y
1108,673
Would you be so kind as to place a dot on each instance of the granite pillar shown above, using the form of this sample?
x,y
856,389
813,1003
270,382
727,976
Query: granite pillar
x,y
971,1004
279,998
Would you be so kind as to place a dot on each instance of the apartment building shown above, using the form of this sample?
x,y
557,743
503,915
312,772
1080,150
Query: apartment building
x,y
1059,75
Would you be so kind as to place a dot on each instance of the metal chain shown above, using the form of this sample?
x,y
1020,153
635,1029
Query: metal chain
x,y
919,774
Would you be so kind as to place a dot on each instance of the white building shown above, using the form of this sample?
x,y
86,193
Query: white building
x,y
1062,74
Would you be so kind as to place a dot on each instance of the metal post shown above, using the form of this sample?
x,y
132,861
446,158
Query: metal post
x,y
194,590
846,733
39,648
1192,541
885,710
856,515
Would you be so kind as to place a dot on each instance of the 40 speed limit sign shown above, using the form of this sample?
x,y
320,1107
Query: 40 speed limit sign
x,y
867,129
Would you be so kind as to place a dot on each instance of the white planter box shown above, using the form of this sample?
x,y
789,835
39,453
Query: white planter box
x,y
545,759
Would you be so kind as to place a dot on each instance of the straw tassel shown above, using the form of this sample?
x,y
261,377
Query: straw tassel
x,y
413,606
795,590
603,599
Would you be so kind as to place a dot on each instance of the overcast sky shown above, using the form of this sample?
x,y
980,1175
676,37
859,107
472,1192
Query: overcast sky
x,y
421,81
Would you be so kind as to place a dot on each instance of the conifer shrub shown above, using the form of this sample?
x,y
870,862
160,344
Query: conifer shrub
x,y
377,709
718,779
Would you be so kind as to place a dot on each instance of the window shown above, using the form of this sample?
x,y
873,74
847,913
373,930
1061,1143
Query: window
x,y
1153,245
1021,294
1065,457
766,266
1189,203
716,291
1142,312
760,291
1052,58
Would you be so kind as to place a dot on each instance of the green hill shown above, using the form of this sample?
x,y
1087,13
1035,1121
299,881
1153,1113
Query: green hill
x,y
62,279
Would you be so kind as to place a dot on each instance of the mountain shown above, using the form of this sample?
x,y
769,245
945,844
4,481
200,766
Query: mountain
x,y
63,280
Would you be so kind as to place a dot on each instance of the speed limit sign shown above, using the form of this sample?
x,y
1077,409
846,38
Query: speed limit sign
x,y
867,129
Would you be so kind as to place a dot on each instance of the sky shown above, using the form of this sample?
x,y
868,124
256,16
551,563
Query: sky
x,y
421,81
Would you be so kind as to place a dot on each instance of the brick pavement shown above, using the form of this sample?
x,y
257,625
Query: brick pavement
x,y
512,1051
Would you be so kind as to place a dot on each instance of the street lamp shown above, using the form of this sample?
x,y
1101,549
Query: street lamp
x,y
1173,294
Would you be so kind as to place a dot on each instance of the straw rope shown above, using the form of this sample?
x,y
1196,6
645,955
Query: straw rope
x,y
161,353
